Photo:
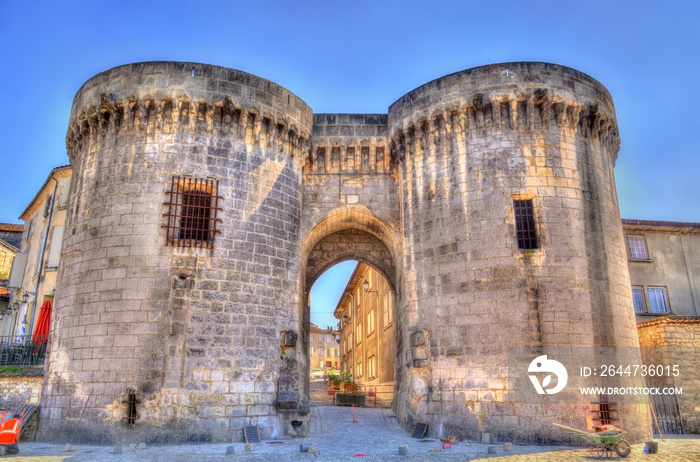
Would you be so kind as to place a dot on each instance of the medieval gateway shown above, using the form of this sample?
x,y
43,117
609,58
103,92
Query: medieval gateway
x,y
206,201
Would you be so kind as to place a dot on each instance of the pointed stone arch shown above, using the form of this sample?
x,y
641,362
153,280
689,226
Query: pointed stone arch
x,y
350,233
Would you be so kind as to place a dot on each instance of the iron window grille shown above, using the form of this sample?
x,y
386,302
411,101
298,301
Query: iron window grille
x,y
191,219
525,224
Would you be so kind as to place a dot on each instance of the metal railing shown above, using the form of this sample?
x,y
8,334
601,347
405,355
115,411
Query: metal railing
x,y
23,350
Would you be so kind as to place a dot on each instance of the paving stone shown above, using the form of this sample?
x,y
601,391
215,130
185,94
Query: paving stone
x,y
376,435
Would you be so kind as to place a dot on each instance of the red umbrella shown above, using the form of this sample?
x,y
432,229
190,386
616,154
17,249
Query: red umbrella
x,y
41,331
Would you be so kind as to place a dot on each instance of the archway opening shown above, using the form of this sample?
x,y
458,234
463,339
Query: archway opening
x,y
324,332
357,316
367,340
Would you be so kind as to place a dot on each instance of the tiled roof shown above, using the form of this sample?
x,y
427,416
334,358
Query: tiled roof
x,y
672,319
668,226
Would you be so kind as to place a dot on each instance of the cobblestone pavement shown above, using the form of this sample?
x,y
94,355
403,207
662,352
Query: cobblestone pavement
x,y
376,435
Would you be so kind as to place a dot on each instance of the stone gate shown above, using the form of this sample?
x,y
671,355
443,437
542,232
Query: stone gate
x,y
206,201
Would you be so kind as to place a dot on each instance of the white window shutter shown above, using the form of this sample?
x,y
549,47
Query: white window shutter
x,y
63,194
55,250
17,271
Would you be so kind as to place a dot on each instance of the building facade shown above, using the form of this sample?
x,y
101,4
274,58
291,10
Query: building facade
x,y
367,338
664,266
323,349
10,239
34,270
206,201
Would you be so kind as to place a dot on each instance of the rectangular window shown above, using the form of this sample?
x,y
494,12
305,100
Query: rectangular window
x,y
320,351
370,322
658,300
637,247
328,352
350,344
358,333
311,351
358,369
638,299
328,339
388,309
191,217
372,367
335,352
525,224
311,337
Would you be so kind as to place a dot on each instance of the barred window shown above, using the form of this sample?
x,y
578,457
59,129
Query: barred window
x,y
525,224
191,217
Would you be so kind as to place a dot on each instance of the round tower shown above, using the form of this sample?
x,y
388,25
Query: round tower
x,y
513,248
177,308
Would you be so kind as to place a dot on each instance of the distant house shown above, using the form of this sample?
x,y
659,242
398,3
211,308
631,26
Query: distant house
x,y
33,276
323,348
9,246
11,234
10,238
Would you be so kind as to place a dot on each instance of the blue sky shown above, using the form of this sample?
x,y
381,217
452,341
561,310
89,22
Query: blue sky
x,y
360,56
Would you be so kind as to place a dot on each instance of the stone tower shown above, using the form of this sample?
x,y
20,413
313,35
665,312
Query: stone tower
x,y
181,259
205,202
479,151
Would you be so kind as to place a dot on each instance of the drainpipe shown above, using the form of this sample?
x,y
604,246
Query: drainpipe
x,y
42,251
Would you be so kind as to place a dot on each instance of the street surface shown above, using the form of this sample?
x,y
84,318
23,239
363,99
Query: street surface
x,y
375,437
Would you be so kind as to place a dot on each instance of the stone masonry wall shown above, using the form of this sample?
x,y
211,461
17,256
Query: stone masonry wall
x,y
469,144
205,338
17,390
675,340
212,339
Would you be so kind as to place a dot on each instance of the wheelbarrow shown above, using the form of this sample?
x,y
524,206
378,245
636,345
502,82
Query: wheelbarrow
x,y
605,442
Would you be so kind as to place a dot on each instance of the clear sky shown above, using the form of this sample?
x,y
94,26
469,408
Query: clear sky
x,y
360,56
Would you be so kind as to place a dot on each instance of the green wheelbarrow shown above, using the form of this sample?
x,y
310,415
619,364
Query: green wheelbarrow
x,y
605,442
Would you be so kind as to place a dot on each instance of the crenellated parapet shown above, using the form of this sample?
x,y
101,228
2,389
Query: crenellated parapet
x,y
208,101
184,116
349,143
515,97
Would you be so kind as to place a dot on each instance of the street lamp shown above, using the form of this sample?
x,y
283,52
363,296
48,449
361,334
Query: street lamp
x,y
365,286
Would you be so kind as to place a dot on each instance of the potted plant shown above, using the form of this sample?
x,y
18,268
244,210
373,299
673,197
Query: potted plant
x,y
334,381
350,387
350,396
